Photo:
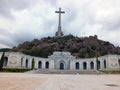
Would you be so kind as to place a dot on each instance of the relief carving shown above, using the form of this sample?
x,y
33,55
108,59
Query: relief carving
x,y
13,60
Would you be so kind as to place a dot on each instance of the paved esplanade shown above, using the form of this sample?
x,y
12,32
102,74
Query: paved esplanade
x,y
59,32
23,81
81,82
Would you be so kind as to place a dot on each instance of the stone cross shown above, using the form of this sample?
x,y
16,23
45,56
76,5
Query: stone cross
x,y
59,32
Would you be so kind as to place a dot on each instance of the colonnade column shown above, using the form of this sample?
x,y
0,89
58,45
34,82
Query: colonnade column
x,y
43,64
24,63
51,64
81,65
101,64
36,64
95,65
72,65
30,63
88,65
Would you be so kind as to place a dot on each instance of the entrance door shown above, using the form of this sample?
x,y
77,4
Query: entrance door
x,y
61,66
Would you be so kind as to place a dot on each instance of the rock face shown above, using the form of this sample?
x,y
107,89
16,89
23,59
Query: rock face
x,y
80,47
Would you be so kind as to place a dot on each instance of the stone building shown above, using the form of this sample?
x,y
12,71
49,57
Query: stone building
x,y
60,61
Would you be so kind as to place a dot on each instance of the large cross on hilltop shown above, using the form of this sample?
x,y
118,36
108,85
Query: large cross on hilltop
x,y
59,33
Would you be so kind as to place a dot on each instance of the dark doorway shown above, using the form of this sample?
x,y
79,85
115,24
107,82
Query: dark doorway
x,y
105,64
92,65
5,61
39,64
77,65
47,65
26,63
84,65
61,66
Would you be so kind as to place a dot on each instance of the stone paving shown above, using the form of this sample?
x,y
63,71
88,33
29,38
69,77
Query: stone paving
x,y
23,81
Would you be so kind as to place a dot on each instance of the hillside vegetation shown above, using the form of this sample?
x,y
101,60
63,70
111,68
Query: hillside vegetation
x,y
80,47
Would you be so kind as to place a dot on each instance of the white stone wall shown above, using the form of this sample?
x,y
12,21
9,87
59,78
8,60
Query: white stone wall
x,y
81,61
113,62
18,60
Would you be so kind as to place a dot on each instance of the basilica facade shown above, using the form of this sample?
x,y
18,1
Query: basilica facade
x,y
60,61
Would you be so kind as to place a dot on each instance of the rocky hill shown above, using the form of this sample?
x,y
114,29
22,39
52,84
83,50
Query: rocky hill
x,y
80,47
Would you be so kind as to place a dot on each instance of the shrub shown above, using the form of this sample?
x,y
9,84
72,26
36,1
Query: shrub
x,y
15,70
33,63
2,61
111,71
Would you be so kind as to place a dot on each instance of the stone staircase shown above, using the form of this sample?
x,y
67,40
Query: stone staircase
x,y
47,71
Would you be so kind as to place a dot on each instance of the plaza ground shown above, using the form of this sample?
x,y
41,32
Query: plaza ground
x,y
25,81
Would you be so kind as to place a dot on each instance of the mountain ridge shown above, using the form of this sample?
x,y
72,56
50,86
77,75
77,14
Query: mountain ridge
x,y
85,47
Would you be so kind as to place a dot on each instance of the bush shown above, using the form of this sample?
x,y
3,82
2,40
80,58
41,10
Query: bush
x,y
33,64
2,61
111,71
14,70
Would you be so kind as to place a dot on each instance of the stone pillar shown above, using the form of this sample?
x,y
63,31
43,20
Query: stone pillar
x,y
101,64
30,63
71,65
95,66
24,60
43,64
81,65
36,64
51,64
88,65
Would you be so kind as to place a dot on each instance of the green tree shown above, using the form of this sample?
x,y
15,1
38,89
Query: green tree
x,y
97,61
33,63
2,61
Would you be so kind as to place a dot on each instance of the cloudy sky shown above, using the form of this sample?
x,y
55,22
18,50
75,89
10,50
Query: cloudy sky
x,y
25,20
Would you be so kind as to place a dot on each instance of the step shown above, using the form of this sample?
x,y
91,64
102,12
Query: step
x,y
47,71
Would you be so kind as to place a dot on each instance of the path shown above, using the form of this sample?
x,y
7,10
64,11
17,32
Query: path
x,y
81,82
23,81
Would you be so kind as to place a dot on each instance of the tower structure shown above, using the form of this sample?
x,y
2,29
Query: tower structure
x,y
59,33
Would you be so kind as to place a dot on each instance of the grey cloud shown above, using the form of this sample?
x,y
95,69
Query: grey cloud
x,y
52,2
70,16
22,36
12,39
112,25
4,32
76,20
6,6
6,42
5,39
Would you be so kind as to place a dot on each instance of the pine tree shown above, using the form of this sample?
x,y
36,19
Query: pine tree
x,y
97,61
33,63
2,61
